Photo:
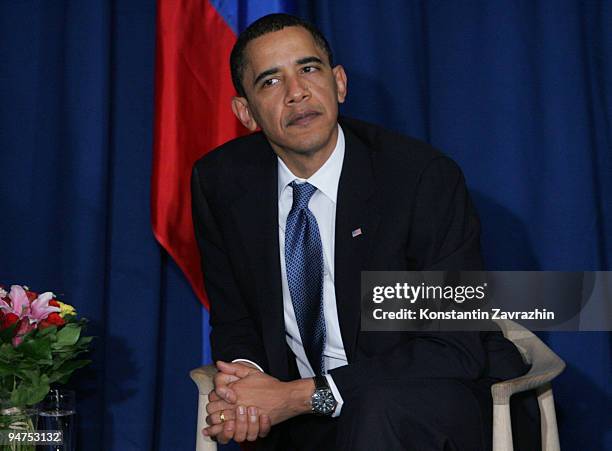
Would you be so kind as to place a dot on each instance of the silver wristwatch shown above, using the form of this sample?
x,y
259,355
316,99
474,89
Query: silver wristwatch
x,y
322,400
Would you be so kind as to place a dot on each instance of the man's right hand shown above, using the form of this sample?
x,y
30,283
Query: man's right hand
x,y
240,423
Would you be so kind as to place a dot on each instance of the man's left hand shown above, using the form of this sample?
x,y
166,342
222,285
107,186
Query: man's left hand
x,y
239,422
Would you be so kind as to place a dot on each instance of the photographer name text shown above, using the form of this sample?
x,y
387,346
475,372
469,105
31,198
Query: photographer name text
x,y
476,314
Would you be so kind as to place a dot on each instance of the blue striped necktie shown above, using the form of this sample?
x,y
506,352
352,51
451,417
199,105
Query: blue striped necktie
x,y
304,266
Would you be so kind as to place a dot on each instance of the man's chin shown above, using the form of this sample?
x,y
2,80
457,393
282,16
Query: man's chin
x,y
307,146
309,140
303,140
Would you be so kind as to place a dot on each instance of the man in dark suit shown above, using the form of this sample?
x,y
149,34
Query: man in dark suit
x,y
286,219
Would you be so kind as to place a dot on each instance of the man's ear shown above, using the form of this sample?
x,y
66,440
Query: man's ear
x,y
341,82
240,107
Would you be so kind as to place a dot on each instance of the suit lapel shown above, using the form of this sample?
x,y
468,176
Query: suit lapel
x,y
356,214
256,213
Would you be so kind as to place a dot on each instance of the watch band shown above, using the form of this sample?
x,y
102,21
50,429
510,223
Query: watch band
x,y
320,382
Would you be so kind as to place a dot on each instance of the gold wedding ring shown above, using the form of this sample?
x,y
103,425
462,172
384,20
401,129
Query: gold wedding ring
x,y
222,417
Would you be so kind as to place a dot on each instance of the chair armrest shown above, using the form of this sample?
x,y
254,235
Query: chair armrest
x,y
203,378
546,366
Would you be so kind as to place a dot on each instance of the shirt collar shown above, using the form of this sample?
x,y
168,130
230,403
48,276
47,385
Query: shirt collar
x,y
327,177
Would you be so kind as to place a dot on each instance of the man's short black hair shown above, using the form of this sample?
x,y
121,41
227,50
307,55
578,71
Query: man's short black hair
x,y
264,25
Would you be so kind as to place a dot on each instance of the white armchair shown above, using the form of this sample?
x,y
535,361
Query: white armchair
x,y
545,366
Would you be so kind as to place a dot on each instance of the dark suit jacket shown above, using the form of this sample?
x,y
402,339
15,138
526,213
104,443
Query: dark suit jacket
x,y
413,208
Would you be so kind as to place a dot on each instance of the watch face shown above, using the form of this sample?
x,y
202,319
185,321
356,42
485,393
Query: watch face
x,y
323,402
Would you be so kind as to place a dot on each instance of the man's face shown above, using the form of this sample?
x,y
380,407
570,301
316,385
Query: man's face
x,y
292,93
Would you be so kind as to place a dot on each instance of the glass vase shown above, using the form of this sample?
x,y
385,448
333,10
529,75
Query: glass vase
x,y
57,412
17,420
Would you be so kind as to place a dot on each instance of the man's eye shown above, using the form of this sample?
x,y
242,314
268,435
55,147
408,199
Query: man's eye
x,y
269,82
309,69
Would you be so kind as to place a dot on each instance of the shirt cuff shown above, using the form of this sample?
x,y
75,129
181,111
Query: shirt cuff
x,y
248,361
336,393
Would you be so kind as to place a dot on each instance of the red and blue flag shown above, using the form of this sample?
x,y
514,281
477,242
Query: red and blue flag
x,y
193,90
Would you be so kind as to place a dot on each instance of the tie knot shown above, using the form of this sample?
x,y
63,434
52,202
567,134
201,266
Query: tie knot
x,y
302,192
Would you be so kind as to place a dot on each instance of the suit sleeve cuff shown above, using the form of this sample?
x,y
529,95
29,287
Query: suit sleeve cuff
x,y
248,361
336,393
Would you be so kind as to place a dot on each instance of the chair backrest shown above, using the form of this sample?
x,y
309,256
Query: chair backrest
x,y
533,350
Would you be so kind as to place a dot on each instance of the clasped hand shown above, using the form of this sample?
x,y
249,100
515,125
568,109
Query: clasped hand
x,y
244,404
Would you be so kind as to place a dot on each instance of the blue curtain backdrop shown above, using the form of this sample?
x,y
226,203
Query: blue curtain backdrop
x,y
519,93
76,115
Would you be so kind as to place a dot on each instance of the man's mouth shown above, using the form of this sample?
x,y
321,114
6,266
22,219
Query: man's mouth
x,y
303,118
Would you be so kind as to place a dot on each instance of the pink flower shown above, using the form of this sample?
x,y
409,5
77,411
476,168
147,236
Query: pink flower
x,y
20,304
40,307
28,314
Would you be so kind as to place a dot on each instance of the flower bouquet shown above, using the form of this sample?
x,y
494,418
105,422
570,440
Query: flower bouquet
x,y
40,339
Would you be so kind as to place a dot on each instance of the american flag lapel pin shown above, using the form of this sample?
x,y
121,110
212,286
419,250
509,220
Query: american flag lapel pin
x,y
356,232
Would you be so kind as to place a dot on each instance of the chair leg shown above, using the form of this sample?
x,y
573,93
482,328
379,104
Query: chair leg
x,y
502,428
548,419
203,379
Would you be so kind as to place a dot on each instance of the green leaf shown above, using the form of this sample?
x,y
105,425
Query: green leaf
x,y
7,352
6,335
27,394
31,375
84,341
36,349
45,356
71,319
72,365
7,369
51,330
63,373
68,335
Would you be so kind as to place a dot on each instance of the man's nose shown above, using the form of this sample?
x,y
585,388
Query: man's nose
x,y
297,90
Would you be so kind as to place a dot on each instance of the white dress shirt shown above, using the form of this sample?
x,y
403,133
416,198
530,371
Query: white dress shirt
x,y
322,204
